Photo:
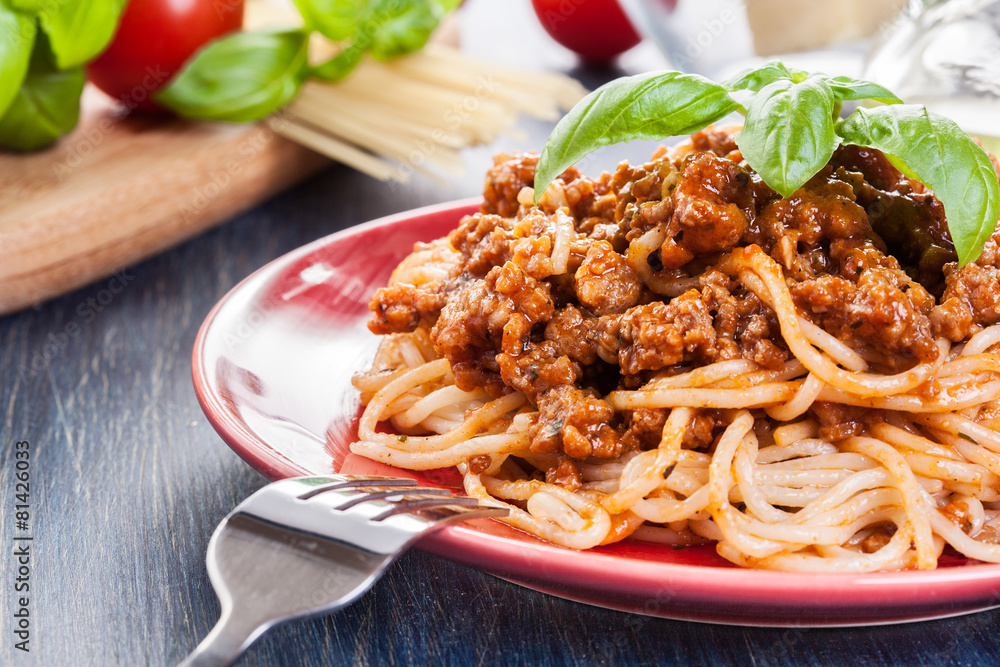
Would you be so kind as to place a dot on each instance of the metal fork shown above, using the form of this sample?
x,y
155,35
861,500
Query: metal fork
x,y
310,545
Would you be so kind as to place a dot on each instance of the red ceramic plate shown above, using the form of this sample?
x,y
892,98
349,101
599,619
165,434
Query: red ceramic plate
x,y
272,367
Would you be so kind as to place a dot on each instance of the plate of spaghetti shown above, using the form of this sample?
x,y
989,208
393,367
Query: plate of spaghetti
x,y
699,399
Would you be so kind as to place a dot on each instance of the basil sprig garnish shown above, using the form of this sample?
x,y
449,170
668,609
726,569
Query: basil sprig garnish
x,y
45,105
218,85
934,150
80,30
647,106
43,45
15,52
791,130
241,78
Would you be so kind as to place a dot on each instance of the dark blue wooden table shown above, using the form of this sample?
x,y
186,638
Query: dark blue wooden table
x,y
128,479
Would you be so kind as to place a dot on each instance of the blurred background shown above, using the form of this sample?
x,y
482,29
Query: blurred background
x,y
209,108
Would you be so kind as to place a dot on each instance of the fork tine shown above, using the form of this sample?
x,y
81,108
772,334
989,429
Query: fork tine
x,y
445,514
357,483
443,495
278,555
458,506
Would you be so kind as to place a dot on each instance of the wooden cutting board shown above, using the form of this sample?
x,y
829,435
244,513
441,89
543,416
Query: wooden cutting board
x,y
121,188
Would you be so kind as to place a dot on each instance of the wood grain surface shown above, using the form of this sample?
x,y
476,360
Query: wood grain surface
x,y
122,187
125,185
128,479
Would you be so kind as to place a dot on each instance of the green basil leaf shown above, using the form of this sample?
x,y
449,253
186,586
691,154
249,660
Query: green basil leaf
x,y
756,78
655,105
47,104
336,19
848,88
789,132
445,6
17,37
391,28
338,67
79,30
32,7
941,155
240,78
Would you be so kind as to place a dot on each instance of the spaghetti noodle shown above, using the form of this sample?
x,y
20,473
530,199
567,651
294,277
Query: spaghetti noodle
x,y
614,362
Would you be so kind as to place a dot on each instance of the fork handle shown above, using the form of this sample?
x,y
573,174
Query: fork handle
x,y
227,640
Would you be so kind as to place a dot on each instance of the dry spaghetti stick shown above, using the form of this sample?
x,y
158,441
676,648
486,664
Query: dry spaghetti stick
x,y
383,142
481,121
379,116
482,86
383,85
564,90
336,149
336,98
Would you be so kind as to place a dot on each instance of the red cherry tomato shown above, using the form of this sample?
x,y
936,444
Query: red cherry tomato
x,y
154,40
597,30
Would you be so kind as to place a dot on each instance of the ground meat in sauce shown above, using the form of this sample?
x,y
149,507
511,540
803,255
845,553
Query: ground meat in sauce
x,y
712,208
645,428
576,422
605,283
509,175
573,334
565,474
798,231
402,308
908,219
872,311
537,369
744,327
657,335
487,315
971,298
837,421
865,252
